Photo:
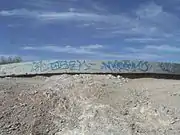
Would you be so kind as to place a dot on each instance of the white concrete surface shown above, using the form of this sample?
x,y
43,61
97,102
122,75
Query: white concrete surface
x,y
88,66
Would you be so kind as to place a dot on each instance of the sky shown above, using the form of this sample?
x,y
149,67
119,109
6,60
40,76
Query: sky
x,y
90,29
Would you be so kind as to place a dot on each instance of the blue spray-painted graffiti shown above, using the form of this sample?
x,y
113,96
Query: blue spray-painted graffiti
x,y
71,65
167,67
76,65
2,70
127,65
40,66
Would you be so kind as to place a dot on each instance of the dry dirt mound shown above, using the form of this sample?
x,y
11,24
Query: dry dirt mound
x,y
84,105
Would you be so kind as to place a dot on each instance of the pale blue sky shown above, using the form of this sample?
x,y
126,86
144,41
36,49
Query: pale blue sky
x,y
90,29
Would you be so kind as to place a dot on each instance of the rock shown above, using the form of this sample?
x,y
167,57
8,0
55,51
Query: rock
x,y
119,77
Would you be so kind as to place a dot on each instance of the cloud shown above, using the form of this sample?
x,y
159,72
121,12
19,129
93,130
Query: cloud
x,y
72,16
20,13
44,4
154,14
90,51
97,46
94,51
128,56
66,16
148,52
143,39
149,22
131,56
67,49
139,30
14,25
158,49
149,19
166,48
149,10
155,52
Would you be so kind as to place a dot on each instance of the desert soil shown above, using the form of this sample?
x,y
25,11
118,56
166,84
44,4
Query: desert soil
x,y
89,105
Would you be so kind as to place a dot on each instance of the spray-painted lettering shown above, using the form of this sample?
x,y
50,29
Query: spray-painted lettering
x,y
167,67
76,65
40,66
127,65
71,65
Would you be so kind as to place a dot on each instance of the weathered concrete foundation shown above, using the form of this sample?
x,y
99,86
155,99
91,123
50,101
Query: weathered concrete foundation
x,y
116,67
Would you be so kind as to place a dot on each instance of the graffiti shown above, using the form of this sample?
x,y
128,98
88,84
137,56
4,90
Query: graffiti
x,y
2,70
8,69
71,65
40,66
83,66
167,67
74,65
118,66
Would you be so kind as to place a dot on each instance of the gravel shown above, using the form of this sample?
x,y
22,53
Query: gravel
x,y
89,105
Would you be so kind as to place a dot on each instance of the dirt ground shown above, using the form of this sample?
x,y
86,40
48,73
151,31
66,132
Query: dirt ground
x,y
89,105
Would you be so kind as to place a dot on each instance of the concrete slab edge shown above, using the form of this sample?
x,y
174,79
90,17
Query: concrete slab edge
x,y
88,66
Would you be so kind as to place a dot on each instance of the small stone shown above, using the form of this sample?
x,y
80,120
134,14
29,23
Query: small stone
x,y
126,80
47,130
34,115
119,77
23,104
35,92
58,133
109,76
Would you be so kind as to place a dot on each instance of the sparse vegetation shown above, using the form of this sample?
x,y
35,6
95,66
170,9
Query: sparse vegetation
x,y
9,60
